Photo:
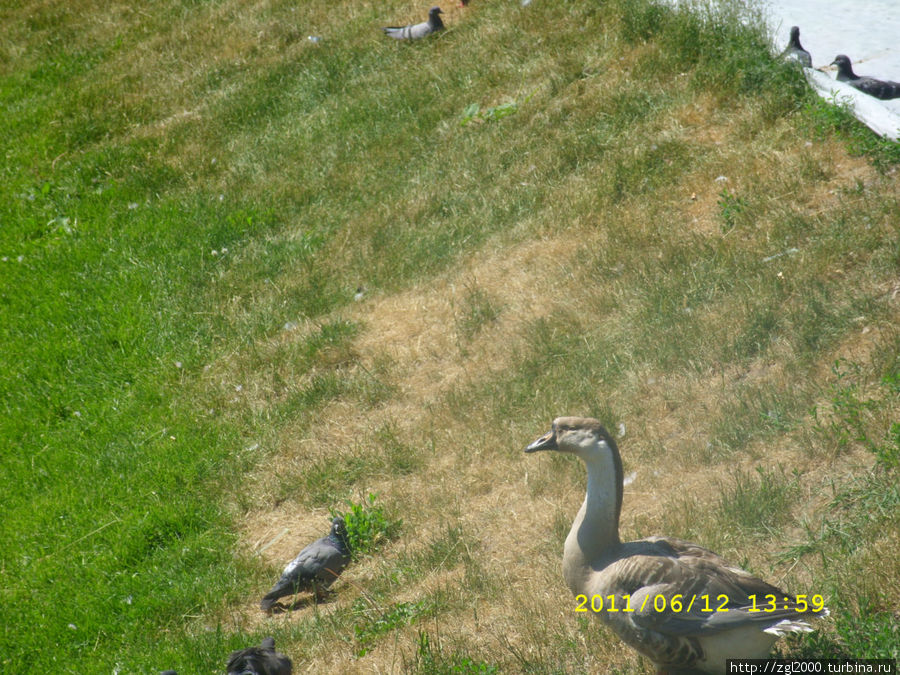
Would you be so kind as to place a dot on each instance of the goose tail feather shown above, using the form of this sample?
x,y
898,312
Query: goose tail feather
x,y
788,626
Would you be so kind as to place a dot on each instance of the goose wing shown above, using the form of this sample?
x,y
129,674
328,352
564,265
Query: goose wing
x,y
680,594
681,589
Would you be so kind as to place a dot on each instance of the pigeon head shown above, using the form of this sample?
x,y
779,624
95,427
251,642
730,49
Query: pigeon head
x,y
434,21
795,35
844,66
262,660
338,532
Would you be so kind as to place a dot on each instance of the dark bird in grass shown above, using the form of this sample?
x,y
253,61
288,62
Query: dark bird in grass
x,y
169,672
315,568
418,30
262,660
794,50
883,89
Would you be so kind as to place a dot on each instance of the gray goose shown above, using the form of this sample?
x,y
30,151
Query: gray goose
x,y
597,563
881,89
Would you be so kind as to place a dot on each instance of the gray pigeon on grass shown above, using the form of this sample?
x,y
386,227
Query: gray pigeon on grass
x,y
883,89
315,568
418,30
794,50
262,660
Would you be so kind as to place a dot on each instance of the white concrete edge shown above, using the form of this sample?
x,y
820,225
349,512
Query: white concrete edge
x,y
867,109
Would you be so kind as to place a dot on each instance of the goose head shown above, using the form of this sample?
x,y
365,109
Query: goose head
x,y
597,525
581,436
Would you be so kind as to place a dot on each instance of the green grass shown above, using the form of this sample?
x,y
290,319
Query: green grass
x,y
431,660
192,193
368,526
476,311
375,622
823,118
759,504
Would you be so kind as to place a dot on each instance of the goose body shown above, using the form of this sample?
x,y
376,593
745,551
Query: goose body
x,y
418,30
648,574
795,51
881,89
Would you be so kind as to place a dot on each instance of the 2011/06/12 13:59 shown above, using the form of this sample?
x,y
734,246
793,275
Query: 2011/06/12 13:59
x,y
678,603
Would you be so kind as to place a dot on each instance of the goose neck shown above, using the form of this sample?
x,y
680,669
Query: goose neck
x,y
594,535
602,502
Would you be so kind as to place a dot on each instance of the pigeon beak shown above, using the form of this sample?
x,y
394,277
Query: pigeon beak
x,y
545,442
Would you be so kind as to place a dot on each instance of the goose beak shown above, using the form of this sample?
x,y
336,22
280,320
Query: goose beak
x,y
545,442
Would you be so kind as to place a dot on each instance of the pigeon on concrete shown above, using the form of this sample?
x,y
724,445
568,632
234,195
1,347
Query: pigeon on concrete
x,y
262,660
794,50
883,89
419,30
315,568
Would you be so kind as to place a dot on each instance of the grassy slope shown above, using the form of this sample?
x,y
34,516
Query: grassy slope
x,y
193,191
